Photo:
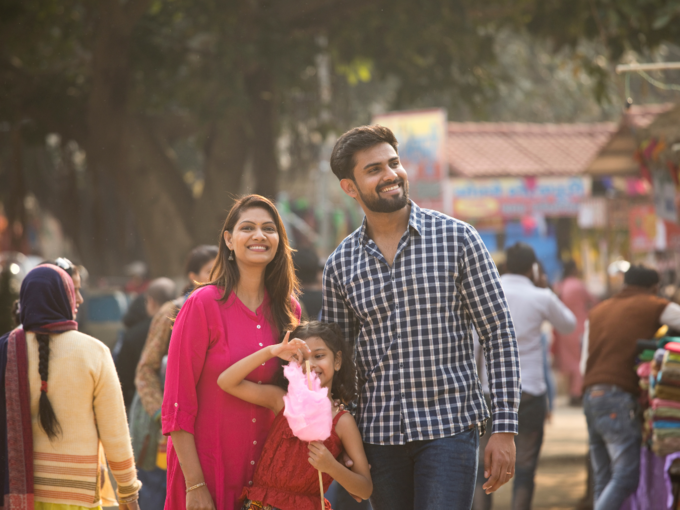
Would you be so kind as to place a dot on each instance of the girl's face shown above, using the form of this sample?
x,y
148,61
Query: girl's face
x,y
203,276
254,239
322,361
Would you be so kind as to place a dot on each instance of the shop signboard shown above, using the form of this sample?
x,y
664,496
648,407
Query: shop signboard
x,y
512,198
422,149
642,228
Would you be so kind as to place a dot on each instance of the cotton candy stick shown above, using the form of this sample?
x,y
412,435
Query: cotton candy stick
x,y
308,409
309,383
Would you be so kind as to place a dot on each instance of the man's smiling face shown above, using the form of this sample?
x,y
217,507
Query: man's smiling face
x,y
380,182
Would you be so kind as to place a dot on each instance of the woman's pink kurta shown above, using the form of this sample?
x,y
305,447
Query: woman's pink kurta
x,y
208,337
576,297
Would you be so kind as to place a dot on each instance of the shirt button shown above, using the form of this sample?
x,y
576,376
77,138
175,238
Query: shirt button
x,y
175,404
401,365
250,483
252,462
260,345
258,327
254,442
259,382
254,420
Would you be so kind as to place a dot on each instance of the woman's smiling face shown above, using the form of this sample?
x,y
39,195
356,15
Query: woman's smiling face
x,y
254,239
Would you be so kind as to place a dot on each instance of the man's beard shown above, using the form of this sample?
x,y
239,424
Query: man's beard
x,y
380,204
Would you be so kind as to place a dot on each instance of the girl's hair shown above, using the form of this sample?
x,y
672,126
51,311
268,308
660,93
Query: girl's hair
x,y
344,381
279,277
197,258
48,420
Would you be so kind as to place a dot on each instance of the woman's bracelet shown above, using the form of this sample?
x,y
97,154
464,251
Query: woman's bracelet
x,y
193,487
129,499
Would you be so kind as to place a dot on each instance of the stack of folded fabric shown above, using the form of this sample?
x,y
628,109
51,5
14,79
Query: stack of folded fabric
x,y
664,413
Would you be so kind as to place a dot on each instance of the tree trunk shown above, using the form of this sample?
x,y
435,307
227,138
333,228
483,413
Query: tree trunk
x,y
260,86
161,213
226,152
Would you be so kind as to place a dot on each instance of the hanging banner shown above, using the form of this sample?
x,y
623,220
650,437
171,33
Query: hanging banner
x,y
642,228
511,198
422,149
665,196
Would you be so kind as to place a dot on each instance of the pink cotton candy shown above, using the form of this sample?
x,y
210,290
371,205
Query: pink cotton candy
x,y
308,412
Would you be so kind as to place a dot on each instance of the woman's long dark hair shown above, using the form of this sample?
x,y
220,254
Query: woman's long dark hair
x,y
279,277
344,385
48,420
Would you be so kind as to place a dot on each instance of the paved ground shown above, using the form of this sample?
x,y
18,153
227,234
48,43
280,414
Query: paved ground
x,y
561,476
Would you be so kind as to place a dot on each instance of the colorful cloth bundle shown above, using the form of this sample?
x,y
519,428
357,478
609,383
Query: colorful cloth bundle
x,y
663,416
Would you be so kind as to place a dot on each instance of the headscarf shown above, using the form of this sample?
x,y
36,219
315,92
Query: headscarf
x,y
47,301
48,305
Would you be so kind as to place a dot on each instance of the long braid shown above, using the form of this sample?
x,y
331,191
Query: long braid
x,y
48,420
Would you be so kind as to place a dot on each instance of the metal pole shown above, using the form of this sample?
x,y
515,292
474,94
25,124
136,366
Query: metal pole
x,y
659,66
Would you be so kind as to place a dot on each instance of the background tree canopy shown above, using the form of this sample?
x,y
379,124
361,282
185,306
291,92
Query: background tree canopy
x,y
156,109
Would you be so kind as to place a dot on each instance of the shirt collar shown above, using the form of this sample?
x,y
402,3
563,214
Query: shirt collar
x,y
415,221
518,279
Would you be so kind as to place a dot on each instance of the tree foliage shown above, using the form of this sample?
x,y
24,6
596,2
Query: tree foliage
x,y
162,106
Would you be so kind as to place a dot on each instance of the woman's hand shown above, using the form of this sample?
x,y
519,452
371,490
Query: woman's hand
x,y
200,499
294,349
320,457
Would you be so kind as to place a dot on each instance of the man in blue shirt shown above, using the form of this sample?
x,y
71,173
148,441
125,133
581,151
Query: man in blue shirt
x,y
407,288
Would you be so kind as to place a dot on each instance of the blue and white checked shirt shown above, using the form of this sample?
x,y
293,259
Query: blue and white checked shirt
x,y
411,325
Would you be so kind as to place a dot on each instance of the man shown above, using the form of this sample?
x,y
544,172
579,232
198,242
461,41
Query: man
x,y
530,306
611,384
407,288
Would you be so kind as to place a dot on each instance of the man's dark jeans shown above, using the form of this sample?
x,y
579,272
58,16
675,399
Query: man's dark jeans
x,y
532,411
425,474
615,437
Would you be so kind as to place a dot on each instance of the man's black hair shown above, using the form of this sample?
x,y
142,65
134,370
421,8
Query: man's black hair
x,y
519,258
356,140
641,276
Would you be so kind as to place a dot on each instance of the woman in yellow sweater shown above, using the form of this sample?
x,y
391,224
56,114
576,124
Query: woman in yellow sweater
x,y
61,399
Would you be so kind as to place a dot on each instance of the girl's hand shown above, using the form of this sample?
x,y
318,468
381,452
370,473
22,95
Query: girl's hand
x,y
320,457
132,505
290,350
200,499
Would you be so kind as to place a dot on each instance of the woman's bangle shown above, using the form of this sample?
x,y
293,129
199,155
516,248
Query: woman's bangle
x,y
194,487
130,499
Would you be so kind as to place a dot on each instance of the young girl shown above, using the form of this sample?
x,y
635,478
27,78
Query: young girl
x,y
286,476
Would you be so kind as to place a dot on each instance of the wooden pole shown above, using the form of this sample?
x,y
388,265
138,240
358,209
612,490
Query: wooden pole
x,y
309,384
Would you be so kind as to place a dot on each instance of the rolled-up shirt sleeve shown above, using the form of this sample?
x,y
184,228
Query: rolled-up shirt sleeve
x,y
485,301
186,356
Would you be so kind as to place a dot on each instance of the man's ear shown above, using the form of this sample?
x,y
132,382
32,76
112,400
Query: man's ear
x,y
349,187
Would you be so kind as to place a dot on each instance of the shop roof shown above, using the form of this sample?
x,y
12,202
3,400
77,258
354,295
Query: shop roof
x,y
496,149
616,157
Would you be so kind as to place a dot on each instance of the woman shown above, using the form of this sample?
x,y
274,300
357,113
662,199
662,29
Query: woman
x,y
145,412
573,293
61,399
216,439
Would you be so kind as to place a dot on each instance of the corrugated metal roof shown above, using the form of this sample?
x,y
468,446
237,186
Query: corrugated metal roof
x,y
487,149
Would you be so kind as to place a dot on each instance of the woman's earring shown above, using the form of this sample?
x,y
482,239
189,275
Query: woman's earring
x,y
231,256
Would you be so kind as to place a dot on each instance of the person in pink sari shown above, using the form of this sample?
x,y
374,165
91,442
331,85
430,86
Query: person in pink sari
x,y
573,293
249,303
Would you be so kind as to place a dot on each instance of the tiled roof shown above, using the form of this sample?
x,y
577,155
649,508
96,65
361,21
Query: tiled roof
x,y
481,149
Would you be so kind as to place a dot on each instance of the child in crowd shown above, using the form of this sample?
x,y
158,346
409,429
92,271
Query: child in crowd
x,y
286,475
